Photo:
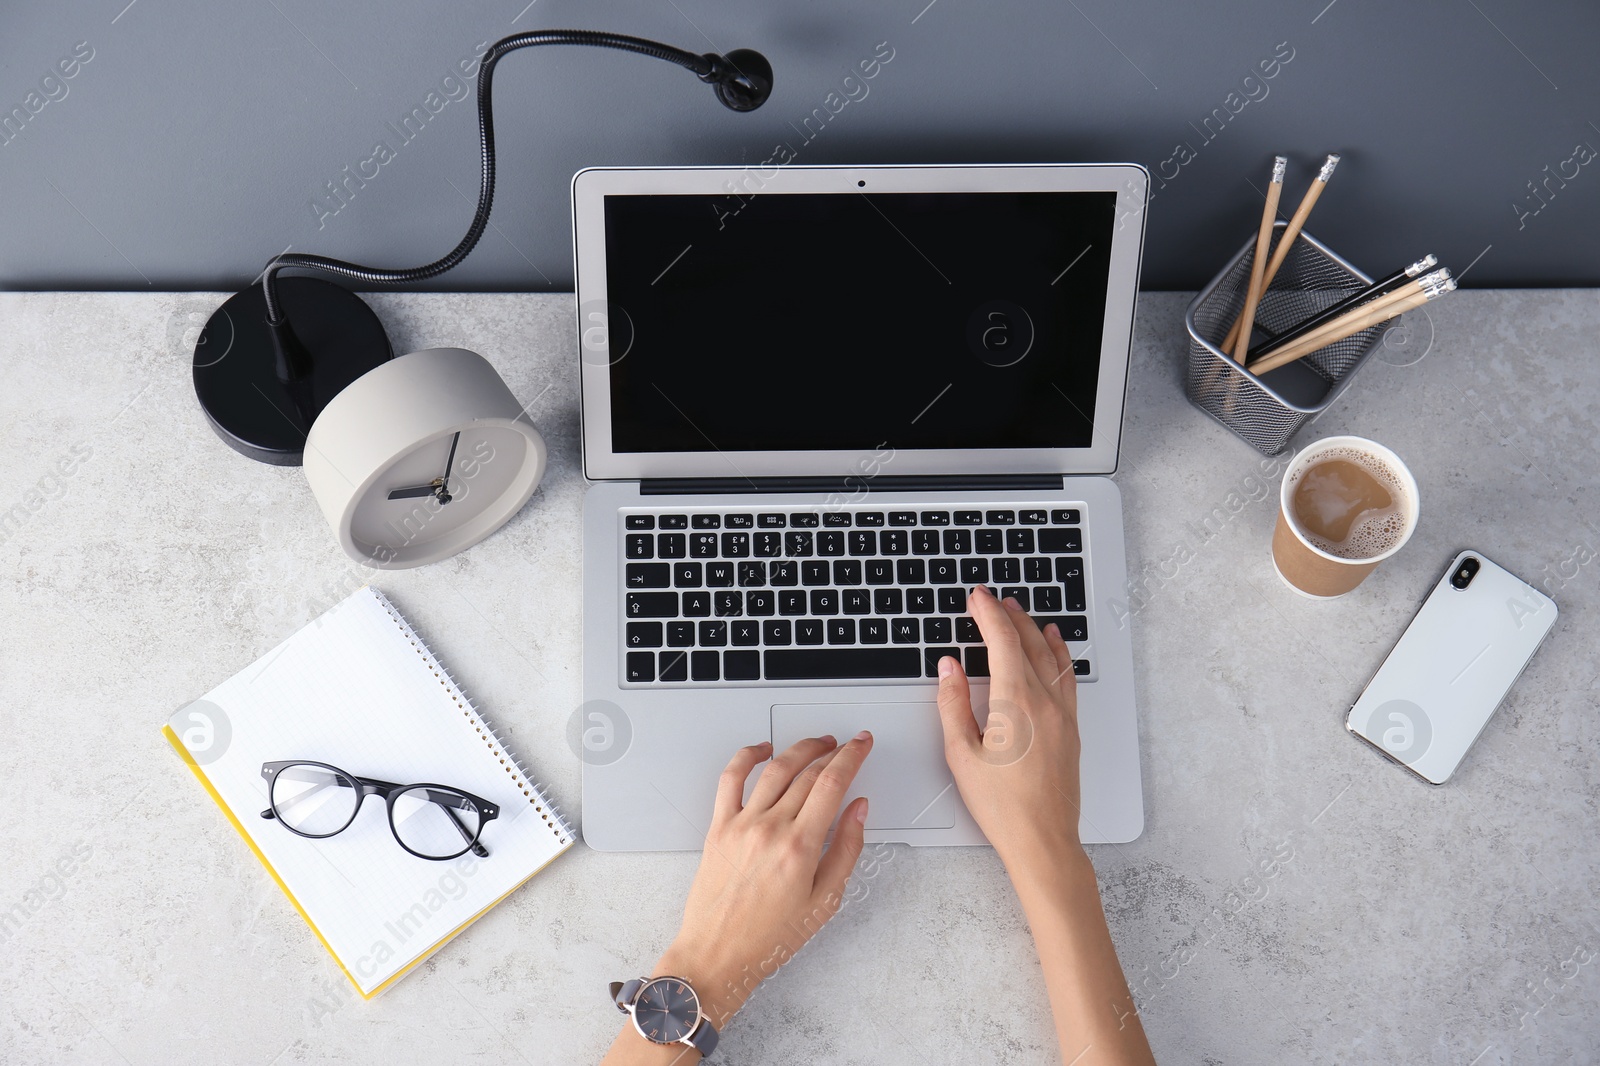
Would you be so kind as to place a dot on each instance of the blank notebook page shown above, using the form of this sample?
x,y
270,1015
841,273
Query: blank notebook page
x,y
358,689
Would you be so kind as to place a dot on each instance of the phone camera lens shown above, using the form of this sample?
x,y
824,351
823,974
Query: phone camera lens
x,y
861,185
1464,573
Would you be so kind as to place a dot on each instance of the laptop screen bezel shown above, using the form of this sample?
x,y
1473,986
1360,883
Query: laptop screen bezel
x,y
591,186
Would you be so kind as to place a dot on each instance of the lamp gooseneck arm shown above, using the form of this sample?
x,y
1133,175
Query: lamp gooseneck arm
x,y
739,89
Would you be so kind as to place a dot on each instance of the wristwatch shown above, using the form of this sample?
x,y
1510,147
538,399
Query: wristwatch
x,y
666,1010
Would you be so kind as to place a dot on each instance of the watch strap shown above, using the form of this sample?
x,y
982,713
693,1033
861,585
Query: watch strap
x,y
624,992
704,1037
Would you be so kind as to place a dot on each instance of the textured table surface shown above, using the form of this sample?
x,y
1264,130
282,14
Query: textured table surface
x,y
1294,899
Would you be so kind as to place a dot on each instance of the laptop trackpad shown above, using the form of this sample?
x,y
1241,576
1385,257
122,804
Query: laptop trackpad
x,y
905,779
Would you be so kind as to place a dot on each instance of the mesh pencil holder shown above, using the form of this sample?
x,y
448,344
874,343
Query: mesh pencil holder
x,y
1268,410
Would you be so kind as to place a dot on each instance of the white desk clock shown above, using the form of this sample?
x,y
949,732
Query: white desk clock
x,y
422,457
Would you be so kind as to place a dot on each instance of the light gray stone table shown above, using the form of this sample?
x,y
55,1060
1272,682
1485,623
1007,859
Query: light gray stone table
x,y
1293,899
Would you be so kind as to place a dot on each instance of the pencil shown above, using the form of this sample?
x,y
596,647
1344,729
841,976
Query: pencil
x,y
1353,323
1381,287
1290,232
1408,289
1258,265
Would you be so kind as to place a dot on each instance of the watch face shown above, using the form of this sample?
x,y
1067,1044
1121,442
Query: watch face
x,y
666,1011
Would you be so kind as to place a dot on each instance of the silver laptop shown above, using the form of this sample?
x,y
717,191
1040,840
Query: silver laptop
x,y
819,404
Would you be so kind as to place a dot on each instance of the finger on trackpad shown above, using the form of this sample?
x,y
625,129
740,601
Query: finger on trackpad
x,y
905,779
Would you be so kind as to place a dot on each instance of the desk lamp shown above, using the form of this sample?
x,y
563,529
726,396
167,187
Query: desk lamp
x,y
274,358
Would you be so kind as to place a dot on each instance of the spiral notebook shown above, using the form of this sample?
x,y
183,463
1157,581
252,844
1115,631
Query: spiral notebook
x,y
358,689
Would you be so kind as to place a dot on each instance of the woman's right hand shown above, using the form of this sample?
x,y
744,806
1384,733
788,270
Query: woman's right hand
x,y
1019,776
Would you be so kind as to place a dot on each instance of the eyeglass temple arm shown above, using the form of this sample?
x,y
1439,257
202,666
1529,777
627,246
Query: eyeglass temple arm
x,y
477,848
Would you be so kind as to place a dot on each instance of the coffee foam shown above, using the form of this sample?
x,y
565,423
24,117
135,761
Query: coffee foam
x,y
1372,534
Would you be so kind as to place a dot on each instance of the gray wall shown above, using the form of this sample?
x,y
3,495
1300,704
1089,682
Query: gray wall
x,y
196,140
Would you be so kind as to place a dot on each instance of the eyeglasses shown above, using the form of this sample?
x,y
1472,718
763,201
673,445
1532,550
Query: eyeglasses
x,y
313,799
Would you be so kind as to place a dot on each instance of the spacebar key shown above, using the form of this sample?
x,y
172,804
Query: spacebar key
x,y
804,664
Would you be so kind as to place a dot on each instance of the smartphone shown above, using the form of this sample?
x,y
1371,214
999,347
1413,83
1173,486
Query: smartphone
x,y
1454,664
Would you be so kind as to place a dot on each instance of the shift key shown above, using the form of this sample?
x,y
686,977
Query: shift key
x,y
651,605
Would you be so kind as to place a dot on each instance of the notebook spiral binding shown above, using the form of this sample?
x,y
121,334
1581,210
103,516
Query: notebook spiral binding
x,y
520,778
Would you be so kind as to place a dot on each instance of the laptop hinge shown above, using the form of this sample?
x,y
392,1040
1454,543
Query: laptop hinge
x,y
853,485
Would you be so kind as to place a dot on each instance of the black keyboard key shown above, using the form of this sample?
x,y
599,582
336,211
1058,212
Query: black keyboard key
x,y
1007,571
967,631
977,662
741,666
706,521
863,542
911,571
1033,517
770,521
705,665
651,605
936,631
925,542
641,521
777,631
713,634
769,545
1080,667
1074,627
887,602
1060,540
874,631
1019,541
856,601
1065,518
1000,518
727,604
644,635
680,634
919,601
1047,598
688,575
824,601
952,601
791,602
785,572
990,542
797,544
905,631
958,541
974,571
1036,570
841,631
1069,572
869,518
803,520
931,657
902,518
943,572
880,572
735,545
894,542
744,633
641,666
648,576
969,518
696,604
847,572
752,575
842,663
1018,593
830,542
760,602
674,521
674,666
719,575
739,521
808,631
639,545
836,519
672,546
703,545
815,572
935,518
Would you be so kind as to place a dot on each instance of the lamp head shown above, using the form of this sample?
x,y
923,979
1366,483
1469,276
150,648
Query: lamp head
x,y
742,78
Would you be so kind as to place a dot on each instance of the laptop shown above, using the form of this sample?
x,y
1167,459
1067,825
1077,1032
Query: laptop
x,y
819,404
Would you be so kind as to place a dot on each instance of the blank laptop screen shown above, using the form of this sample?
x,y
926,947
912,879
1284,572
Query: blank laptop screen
x,y
799,322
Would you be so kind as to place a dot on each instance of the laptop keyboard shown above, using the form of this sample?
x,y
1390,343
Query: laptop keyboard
x,y
840,594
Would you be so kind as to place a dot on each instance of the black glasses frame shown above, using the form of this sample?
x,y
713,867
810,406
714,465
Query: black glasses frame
x,y
390,791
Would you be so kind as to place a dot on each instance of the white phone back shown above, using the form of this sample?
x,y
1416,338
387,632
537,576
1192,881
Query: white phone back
x,y
1461,654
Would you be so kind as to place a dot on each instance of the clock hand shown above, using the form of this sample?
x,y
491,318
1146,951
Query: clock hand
x,y
415,492
438,487
444,482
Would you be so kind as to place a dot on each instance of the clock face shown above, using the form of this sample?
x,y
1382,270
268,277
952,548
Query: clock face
x,y
666,1011
442,490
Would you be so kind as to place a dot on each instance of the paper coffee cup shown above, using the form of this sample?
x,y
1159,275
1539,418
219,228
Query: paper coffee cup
x,y
1313,570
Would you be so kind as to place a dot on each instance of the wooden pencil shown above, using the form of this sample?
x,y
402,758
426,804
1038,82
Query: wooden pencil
x,y
1356,321
1290,232
1410,288
1258,265
1381,287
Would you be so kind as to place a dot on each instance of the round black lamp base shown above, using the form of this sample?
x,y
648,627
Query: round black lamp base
x,y
236,365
